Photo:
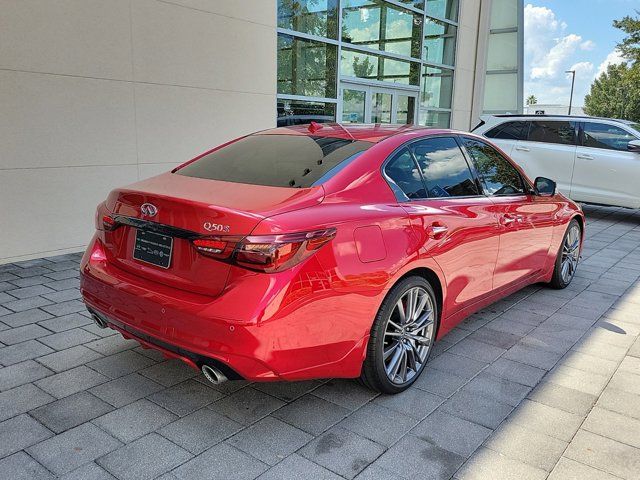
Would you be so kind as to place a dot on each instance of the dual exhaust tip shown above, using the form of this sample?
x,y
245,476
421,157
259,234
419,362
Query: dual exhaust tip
x,y
211,373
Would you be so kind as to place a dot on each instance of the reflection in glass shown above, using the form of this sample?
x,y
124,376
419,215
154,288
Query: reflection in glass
x,y
306,67
447,9
405,109
430,118
437,87
444,168
353,104
381,107
316,17
381,26
439,42
498,176
403,171
296,112
375,67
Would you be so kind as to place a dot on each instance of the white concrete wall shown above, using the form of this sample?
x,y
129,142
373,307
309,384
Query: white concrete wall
x,y
468,59
96,94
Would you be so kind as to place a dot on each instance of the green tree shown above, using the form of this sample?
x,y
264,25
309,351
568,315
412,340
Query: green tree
x,y
532,100
616,92
630,45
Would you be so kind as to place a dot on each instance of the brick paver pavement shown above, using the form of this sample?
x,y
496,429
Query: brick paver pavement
x,y
543,384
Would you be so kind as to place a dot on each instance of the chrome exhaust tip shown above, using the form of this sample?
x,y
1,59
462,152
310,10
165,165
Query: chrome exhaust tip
x,y
214,375
99,321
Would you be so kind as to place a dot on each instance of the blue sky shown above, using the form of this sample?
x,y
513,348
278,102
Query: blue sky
x,y
570,34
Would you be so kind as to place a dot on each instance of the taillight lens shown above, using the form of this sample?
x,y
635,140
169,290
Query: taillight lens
x,y
265,253
108,223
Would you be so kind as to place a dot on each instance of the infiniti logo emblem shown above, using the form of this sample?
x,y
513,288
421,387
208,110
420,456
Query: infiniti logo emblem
x,y
149,209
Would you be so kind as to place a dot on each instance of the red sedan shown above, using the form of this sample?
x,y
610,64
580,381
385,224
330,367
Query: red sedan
x,y
324,251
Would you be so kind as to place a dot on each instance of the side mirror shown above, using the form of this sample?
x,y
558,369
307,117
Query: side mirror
x,y
634,146
545,187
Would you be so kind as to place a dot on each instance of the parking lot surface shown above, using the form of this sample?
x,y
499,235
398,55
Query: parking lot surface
x,y
543,384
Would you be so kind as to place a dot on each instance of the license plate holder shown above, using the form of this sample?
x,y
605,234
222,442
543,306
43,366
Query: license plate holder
x,y
153,248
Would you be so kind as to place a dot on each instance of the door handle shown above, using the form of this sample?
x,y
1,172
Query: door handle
x,y
523,149
584,156
437,231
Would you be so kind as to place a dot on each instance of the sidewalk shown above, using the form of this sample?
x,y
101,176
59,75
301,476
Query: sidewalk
x,y
543,384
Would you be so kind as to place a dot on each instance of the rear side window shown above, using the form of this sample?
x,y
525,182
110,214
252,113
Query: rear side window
x,y
444,168
497,174
549,131
296,161
509,131
403,171
602,135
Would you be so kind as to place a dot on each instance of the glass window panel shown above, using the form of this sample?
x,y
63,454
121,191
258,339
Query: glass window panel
x,y
439,42
602,135
562,133
498,176
414,3
509,131
381,26
502,51
353,105
276,160
375,67
404,173
430,118
316,17
405,111
501,92
437,87
447,9
444,168
504,14
296,112
306,67
381,107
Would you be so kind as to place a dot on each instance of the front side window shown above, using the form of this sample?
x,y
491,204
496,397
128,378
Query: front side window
x,y
403,171
602,135
509,131
550,131
496,173
296,161
444,168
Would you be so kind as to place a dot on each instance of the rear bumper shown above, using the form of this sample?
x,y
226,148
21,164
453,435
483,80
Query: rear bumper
x,y
262,328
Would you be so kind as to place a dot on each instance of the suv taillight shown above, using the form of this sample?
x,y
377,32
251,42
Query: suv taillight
x,y
265,253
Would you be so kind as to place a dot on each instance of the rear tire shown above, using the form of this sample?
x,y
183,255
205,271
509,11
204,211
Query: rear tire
x,y
402,337
568,256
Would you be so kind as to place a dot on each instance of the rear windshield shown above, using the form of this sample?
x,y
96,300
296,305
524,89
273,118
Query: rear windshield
x,y
297,161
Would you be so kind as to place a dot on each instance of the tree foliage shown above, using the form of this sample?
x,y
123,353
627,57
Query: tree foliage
x,y
616,92
532,100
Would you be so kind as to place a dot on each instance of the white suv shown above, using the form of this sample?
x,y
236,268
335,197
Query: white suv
x,y
593,160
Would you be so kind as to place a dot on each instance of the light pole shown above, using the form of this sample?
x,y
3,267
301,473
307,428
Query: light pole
x,y
573,81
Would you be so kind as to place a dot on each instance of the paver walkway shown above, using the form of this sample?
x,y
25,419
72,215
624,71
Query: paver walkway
x,y
543,384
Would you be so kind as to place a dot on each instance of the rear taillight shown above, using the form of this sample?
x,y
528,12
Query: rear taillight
x,y
109,223
265,253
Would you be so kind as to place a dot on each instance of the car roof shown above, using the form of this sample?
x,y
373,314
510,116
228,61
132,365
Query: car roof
x,y
572,117
354,131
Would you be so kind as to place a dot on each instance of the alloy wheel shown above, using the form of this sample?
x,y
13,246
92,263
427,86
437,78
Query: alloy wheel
x,y
408,335
570,254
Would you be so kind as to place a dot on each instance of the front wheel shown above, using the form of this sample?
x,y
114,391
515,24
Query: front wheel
x,y
402,337
568,256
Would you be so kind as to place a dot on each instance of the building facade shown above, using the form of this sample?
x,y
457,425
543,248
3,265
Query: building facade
x,y
97,94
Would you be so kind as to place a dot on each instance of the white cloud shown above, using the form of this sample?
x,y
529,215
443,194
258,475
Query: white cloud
x,y
550,49
613,58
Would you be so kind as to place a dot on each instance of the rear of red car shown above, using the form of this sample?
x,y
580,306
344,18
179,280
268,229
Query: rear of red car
x,y
178,264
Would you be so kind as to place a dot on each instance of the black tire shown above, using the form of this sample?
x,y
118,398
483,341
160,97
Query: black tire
x,y
560,281
374,374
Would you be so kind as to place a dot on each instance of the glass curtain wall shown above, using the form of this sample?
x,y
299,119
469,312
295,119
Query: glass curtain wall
x,y
503,84
408,45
